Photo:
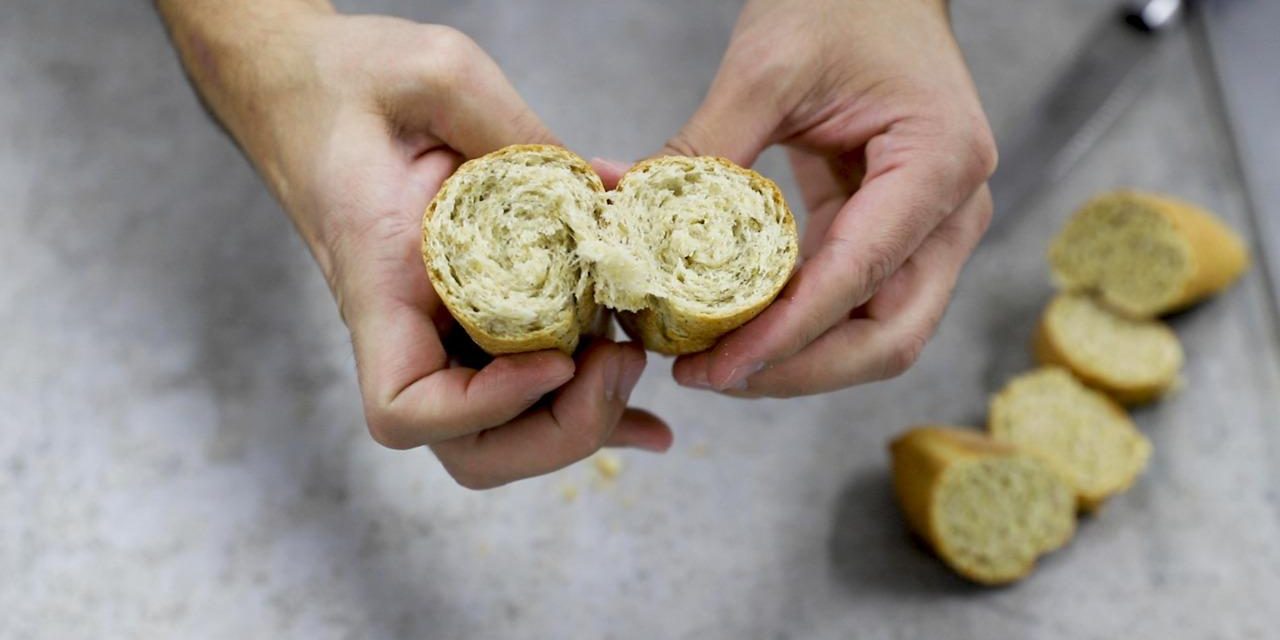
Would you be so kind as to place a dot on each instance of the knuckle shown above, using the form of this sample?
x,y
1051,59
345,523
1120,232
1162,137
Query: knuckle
x,y
874,266
904,354
683,143
583,442
383,429
447,57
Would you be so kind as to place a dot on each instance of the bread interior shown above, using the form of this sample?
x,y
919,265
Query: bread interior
x,y
1122,248
995,515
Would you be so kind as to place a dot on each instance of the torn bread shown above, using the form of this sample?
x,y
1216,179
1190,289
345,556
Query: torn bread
x,y
988,510
522,243
1145,255
1081,433
1133,361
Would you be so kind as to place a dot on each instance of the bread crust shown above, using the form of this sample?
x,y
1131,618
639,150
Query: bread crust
x,y
1049,351
921,457
1217,255
1220,254
566,332
668,329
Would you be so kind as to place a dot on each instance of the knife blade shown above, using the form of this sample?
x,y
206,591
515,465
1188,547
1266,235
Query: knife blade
x,y
1081,104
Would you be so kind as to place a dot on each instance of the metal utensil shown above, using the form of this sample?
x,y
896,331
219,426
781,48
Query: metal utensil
x,y
1082,103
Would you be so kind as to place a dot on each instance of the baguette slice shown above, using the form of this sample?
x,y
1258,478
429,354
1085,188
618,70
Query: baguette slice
x,y
522,243
498,241
690,249
1133,361
1081,433
1144,254
987,510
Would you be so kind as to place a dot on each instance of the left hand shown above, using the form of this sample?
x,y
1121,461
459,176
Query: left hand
x,y
891,150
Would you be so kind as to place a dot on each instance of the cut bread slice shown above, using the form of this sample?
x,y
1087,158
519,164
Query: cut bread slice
x,y
523,242
498,241
1133,361
691,248
1144,254
988,510
1081,433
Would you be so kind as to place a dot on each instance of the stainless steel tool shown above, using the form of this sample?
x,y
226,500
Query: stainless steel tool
x,y
1080,105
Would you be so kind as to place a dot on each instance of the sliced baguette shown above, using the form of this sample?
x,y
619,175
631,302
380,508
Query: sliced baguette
x,y
521,244
1081,433
1133,361
498,244
706,245
1144,254
986,509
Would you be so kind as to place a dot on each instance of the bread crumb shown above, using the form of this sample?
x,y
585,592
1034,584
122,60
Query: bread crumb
x,y
608,465
700,450
569,492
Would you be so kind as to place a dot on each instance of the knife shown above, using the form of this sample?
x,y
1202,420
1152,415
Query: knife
x,y
1086,99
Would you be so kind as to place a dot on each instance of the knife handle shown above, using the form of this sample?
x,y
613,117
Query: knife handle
x,y
1152,15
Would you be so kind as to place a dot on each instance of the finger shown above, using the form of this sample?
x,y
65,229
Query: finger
x,y
452,89
899,319
580,420
736,120
825,185
640,429
412,397
610,171
899,204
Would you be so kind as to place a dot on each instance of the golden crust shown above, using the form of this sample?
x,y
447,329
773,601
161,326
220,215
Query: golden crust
x,y
1049,351
563,335
1220,254
669,330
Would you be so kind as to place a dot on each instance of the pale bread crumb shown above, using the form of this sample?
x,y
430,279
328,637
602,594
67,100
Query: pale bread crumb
x,y
569,492
608,465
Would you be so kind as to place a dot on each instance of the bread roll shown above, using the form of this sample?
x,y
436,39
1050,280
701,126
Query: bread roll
x,y
523,242
1081,433
498,243
690,249
1133,361
1146,255
986,509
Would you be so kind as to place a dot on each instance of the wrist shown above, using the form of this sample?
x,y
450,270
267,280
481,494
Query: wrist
x,y
242,56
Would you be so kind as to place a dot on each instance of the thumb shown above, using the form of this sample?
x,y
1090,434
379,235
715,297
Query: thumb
x,y
735,121
460,96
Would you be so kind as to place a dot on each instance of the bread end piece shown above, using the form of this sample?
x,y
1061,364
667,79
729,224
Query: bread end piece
x,y
1144,254
493,329
673,324
987,510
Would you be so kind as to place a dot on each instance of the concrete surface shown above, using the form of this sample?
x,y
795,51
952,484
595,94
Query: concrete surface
x,y
182,452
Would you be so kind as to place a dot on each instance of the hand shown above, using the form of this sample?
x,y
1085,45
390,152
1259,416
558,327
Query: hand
x,y
355,122
891,151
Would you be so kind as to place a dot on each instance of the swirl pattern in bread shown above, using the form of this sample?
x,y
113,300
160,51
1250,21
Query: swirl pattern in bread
x,y
522,243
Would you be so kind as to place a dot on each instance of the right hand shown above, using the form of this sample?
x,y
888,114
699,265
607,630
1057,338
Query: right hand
x,y
354,122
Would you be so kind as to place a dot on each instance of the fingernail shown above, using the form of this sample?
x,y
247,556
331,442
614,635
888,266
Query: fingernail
x,y
696,380
652,447
628,378
615,165
737,379
612,375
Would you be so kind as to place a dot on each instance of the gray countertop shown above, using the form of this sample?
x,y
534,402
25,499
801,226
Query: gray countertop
x,y
182,452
